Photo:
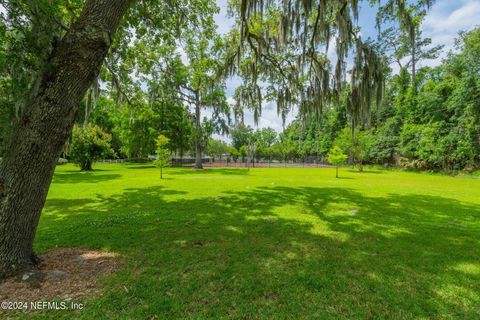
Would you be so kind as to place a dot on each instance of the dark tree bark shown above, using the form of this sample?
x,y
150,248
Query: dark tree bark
x,y
46,123
87,166
88,107
198,135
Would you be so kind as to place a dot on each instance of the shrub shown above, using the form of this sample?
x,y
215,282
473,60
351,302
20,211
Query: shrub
x,y
89,145
234,153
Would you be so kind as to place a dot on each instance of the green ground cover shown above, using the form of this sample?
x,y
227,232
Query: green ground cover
x,y
272,243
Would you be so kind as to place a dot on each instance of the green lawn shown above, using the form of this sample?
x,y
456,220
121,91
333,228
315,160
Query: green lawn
x,y
272,243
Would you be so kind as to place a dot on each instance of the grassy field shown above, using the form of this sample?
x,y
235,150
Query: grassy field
x,y
272,243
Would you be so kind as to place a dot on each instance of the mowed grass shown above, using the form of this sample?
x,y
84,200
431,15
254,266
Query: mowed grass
x,y
271,243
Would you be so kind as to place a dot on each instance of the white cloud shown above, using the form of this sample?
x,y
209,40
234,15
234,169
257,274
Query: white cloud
x,y
446,19
269,117
183,55
222,20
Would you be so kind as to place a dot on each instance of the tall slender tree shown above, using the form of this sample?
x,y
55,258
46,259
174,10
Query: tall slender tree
x,y
203,88
409,15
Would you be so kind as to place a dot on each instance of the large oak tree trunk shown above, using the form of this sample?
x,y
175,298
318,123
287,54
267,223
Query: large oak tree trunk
x,y
46,123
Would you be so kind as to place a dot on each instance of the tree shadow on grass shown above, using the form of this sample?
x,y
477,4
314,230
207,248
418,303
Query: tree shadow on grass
x,y
366,171
78,170
136,166
209,171
83,177
344,178
247,256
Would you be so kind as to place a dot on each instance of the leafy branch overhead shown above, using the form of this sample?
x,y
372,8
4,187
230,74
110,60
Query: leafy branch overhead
x,y
286,45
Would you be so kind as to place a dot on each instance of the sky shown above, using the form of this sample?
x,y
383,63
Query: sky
x,y
442,24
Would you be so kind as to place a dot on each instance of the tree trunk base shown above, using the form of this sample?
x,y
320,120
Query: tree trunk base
x,y
86,167
12,268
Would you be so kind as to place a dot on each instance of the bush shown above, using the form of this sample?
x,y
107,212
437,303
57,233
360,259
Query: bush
x,y
89,145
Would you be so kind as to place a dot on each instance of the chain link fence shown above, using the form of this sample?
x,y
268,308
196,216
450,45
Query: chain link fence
x,y
308,162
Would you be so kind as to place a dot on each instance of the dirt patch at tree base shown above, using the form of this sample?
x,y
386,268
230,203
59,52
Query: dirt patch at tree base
x,y
66,274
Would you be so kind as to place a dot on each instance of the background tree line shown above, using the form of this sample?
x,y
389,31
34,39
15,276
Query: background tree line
x,y
432,122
